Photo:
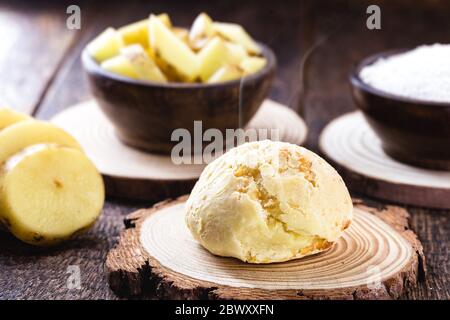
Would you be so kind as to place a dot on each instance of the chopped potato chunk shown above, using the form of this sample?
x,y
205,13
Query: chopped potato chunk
x,y
172,50
236,53
225,73
252,64
121,66
201,31
145,68
165,19
212,57
106,45
235,33
182,34
154,49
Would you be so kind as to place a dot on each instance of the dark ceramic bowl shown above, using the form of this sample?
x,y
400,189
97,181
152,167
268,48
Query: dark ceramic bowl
x,y
146,113
411,131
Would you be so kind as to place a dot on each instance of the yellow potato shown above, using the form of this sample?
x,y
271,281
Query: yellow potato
x,y
106,45
143,65
49,193
252,65
181,33
236,53
213,56
120,65
165,19
201,30
20,135
226,73
235,33
136,32
9,117
169,48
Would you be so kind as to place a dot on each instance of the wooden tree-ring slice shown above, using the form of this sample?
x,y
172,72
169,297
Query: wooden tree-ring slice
x,y
156,256
133,174
353,148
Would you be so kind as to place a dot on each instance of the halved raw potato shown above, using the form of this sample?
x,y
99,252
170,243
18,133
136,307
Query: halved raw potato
x,y
226,73
201,30
144,67
235,33
137,32
9,117
236,53
23,134
252,64
49,193
213,56
169,48
106,45
120,65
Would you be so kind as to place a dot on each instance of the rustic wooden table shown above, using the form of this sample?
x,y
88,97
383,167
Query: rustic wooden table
x,y
316,42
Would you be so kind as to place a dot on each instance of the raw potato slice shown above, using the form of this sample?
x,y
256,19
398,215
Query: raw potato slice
x,y
106,45
169,48
120,65
136,32
225,73
49,193
236,53
252,65
235,33
213,56
23,134
9,117
145,68
202,28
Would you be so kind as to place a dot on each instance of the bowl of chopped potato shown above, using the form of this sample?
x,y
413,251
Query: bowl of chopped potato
x,y
151,78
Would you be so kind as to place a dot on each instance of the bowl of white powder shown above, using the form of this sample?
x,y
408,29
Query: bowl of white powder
x,y
405,97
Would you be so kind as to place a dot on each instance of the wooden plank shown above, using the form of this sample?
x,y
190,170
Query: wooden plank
x,y
34,40
433,228
39,273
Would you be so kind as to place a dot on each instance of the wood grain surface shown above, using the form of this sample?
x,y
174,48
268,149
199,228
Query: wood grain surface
x,y
376,258
316,43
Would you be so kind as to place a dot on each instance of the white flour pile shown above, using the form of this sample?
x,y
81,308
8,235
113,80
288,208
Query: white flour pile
x,y
422,73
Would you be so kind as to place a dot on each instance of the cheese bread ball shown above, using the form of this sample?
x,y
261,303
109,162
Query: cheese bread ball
x,y
268,201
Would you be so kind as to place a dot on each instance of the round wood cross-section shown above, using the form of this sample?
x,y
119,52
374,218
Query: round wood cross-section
x,y
372,260
353,148
135,174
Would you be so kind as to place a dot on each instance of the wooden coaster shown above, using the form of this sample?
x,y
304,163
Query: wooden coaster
x,y
354,149
156,255
133,174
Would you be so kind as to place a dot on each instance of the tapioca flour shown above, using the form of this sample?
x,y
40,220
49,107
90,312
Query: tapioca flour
x,y
422,73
